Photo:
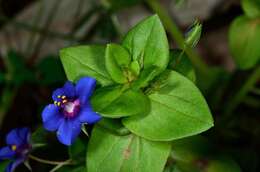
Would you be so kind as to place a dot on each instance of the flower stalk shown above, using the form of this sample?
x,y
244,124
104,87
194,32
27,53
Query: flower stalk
x,y
44,161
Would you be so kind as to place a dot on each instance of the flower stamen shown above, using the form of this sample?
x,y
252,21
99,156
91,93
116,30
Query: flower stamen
x,y
13,147
62,99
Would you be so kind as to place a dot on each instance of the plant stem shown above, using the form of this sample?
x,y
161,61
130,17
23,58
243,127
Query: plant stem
x,y
239,96
176,34
67,162
57,167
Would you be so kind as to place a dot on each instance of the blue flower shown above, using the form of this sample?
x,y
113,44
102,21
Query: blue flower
x,y
70,110
17,149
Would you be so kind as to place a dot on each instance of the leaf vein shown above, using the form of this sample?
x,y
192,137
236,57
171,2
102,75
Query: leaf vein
x,y
79,61
172,109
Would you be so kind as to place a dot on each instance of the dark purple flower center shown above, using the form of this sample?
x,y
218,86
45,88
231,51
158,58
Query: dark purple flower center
x,y
21,150
70,107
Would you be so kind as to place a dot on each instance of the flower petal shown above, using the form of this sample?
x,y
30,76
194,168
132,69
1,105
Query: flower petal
x,y
6,153
51,117
68,131
67,90
11,167
87,115
18,136
84,88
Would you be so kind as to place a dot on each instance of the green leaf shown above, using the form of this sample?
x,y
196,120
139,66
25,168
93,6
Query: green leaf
x,y
135,68
193,36
108,152
251,8
82,61
180,62
178,110
116,101
145,77
147,44
244,41
117,62
77,151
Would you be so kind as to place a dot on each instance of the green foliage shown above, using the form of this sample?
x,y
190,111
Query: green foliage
x,y
144,105
244,41
147,95
115,102
177,110
146,42
117,62
154,103
85,61
251,8
108,152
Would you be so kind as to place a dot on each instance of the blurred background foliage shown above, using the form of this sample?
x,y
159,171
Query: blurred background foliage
x,y
225,62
